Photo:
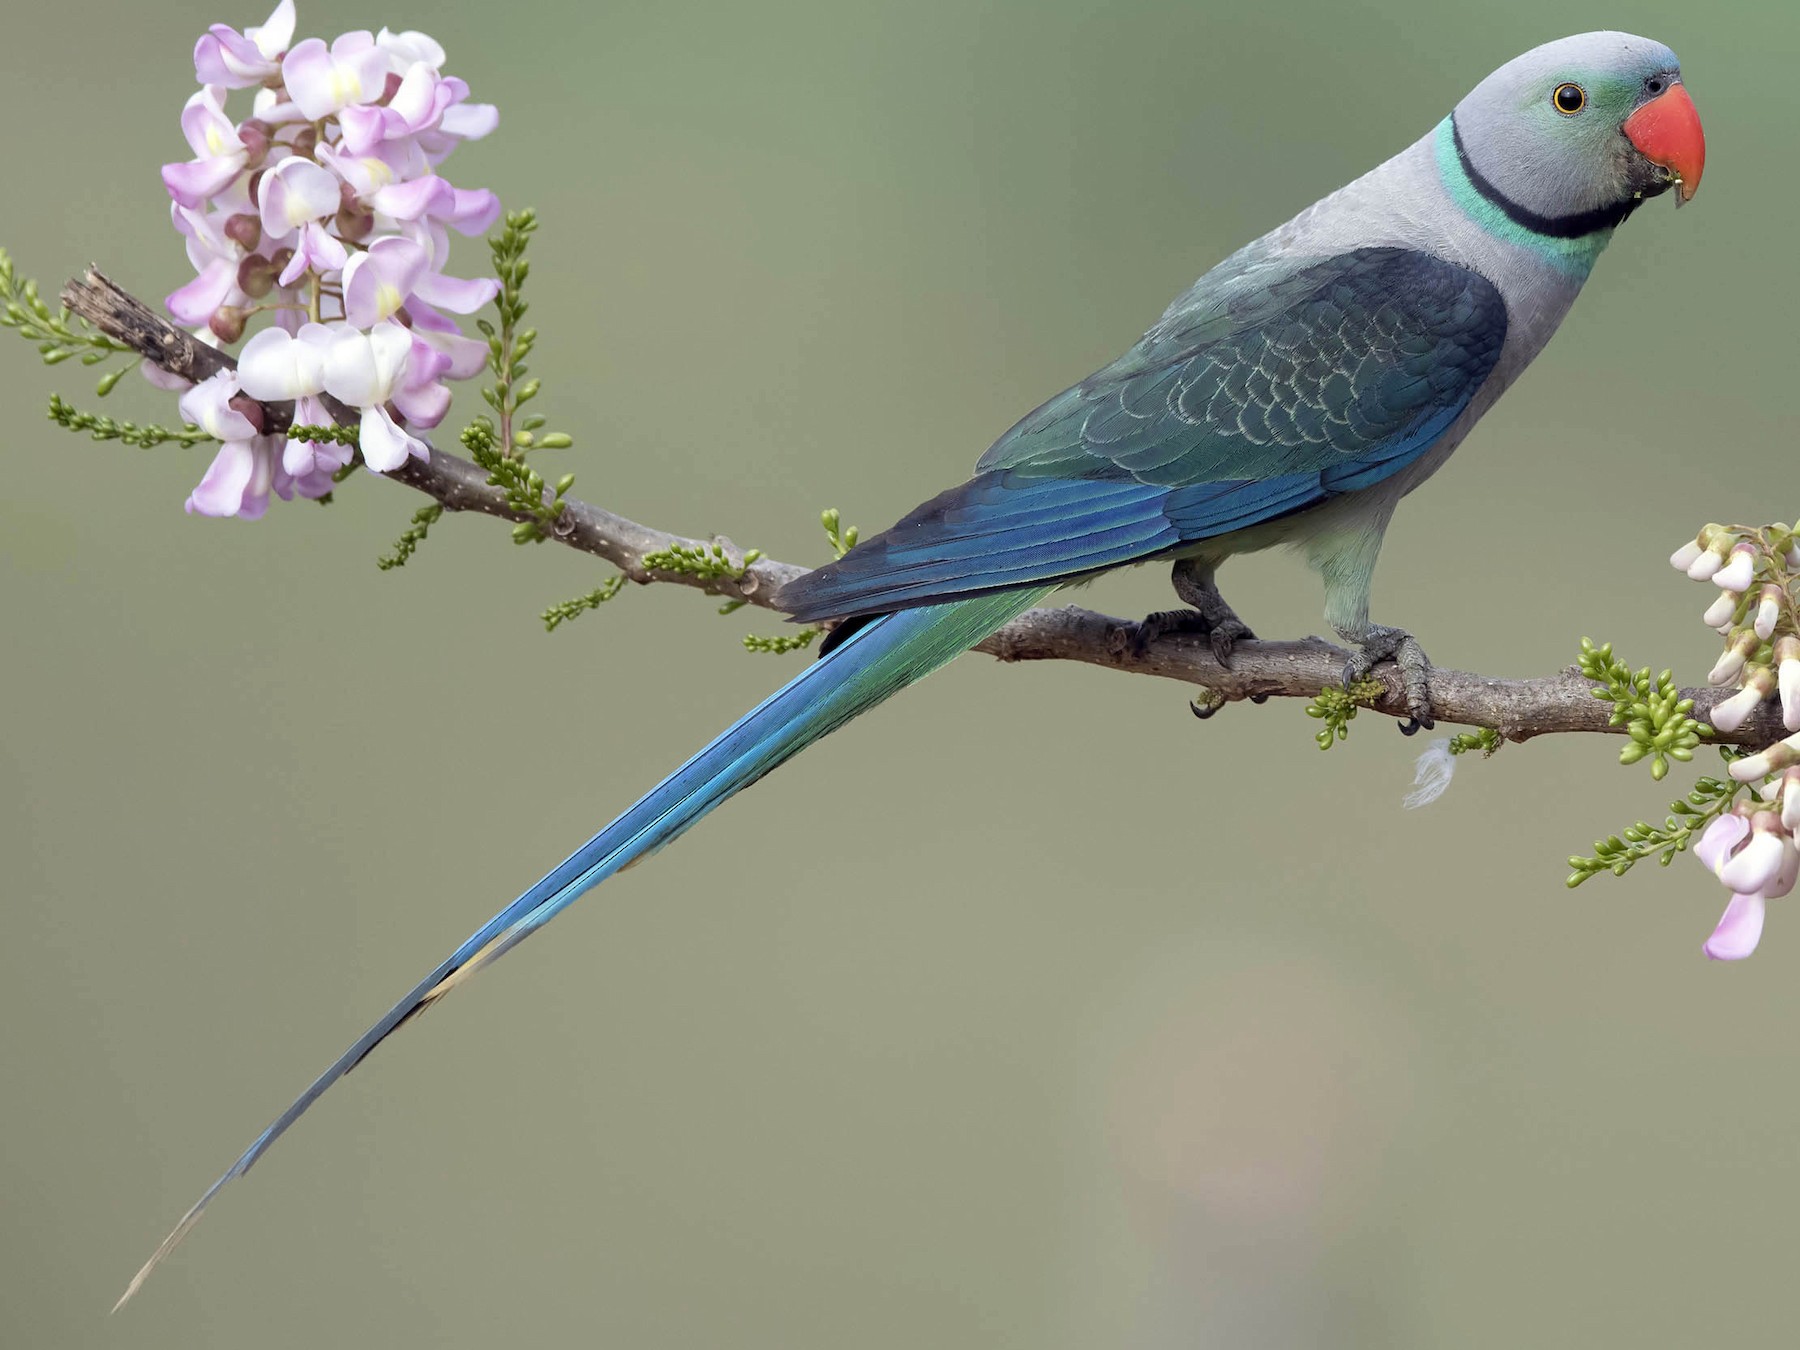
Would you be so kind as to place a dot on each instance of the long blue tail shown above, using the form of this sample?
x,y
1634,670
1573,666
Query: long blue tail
x,y
873,664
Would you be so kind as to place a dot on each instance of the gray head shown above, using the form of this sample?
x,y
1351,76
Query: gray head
x,y
1575,133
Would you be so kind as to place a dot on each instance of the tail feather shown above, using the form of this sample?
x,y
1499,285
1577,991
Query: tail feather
x,y
872,664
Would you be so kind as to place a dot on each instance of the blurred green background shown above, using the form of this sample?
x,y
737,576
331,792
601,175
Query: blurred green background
x,y
1027,1011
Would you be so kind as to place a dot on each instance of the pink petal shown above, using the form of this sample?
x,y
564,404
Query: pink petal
x,y
193,183
197,301
161,379
208,406
273,34
415,101
454,293
296,191
410,200
209,132
1756,864
470,121
221,491
410,46
1739,930
384,446
364,129
307,72
473,211
377,283
1724,834
424,405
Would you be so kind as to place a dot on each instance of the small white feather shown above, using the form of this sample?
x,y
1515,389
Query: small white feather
x,y
1431,775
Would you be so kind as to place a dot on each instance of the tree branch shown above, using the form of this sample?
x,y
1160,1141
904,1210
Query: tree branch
x,y
1517,709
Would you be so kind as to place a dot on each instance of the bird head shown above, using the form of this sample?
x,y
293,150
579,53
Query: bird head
x,y
1584,128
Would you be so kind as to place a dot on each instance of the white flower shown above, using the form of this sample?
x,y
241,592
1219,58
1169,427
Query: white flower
x,y
1768,611
1720,613
1737,574
1788,678
278,365
364,370
1736,710
1703,567
1761,765
1732,659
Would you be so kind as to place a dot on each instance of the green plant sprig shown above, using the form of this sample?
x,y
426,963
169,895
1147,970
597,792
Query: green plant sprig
x,y
1619,853
408,543
704,562
509,344
1337,706
51,331
500,443
524,486
103,428
1485,739
323,433
842,538
782,643
1652,710
569,610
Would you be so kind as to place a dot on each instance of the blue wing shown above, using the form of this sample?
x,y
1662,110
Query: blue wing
x,y
1328,381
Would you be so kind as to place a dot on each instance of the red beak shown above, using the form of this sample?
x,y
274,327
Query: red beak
x,y
1666,131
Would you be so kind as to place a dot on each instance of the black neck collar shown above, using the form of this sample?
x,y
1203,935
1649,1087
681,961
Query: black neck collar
x,y
1577,225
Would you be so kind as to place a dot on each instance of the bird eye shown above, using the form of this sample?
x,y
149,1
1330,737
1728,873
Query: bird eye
x,y
1655,85
1569,99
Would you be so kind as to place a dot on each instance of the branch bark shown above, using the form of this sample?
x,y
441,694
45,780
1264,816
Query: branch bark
x,y
1517,709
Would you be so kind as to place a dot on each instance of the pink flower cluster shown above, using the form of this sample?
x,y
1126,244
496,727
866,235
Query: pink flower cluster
x,y
1752,849
324,210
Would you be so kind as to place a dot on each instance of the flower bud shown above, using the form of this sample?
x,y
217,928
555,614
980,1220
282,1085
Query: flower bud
x,y
244,231
1686,556
1778,756
354,223
1711,560
256,276
227,323
1787,662
1740,649
1768,610
255,136
1721,612
1759,683
1790,800
1739,572
306,140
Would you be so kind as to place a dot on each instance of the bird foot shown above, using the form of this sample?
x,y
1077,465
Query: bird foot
x,y
1402,648
1222,631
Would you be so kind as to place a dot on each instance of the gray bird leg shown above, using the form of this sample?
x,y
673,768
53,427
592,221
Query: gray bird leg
x,y
1344,555
1208,614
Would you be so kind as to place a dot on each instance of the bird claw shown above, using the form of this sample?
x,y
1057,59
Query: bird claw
x,y
1222,634
1403,649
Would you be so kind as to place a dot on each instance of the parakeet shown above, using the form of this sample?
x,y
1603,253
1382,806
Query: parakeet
x,y
1293,395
